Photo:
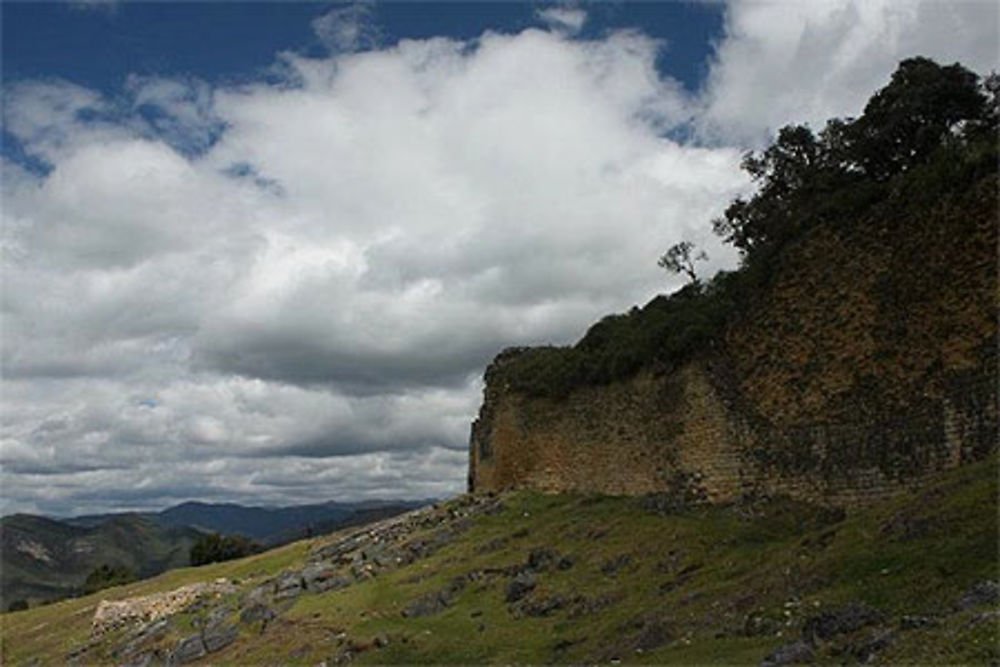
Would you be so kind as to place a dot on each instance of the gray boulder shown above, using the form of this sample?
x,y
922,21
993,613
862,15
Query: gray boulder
x,y
520,585
188,650
796,653
983,593
219,636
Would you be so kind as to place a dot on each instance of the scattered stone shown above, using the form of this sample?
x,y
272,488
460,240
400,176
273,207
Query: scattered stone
x,y
381,641
983,593
689,568
583,606
260,594
145,660
76,655
540,607
318,578
218,636
541,558
989,616
427,605
564,644
520,585
669,586
432,603
612,566
915,622
654,633
188,650
288,586
840,621
864,651
493,545
132,649
797,652
256,612
691,597
360,572
756,624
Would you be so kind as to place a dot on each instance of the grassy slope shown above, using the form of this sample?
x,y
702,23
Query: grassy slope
x,y
706,586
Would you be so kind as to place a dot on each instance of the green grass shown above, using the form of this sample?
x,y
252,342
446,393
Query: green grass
x,y
717,586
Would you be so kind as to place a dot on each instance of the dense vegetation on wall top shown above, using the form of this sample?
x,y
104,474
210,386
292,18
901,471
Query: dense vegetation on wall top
x,y
927,135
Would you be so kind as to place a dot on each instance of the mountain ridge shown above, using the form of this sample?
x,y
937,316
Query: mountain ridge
x,y
47,558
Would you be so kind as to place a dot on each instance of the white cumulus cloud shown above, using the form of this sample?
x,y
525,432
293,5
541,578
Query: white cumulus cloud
x,y
784,62
287,290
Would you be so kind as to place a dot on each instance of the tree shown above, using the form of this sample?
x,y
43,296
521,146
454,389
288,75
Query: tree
x,y
679,259
794,166
925,110
216,548
106,576
905,122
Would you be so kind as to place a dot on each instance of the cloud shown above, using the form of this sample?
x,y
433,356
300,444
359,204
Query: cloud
x,y
109,6
566,19
793,62
348,29
178,112
52,116
287,290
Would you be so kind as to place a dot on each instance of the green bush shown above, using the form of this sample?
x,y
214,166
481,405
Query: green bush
x,y
216,548
107,576
663,333
17,605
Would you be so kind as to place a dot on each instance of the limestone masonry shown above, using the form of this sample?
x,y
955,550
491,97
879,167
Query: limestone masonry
x,y
868,363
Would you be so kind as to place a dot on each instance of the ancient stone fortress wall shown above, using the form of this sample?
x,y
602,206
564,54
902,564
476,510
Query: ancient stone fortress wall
x,y
657,434
868,362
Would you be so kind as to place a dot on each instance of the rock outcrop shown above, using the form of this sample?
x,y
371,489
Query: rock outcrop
x,y
114,614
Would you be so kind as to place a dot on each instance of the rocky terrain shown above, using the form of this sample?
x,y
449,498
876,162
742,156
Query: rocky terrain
x,y
47,559
522,577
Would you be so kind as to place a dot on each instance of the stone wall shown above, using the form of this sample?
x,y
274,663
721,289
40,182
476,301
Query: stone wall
x,y
644,435
867,363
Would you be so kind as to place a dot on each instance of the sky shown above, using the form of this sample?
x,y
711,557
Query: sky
x,y
263,252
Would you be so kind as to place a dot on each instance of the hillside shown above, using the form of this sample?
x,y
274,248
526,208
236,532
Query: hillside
x,y
529,578
852,353
46,559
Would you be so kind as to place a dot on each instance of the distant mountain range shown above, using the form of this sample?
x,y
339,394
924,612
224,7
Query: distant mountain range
x,y
43,558
268,525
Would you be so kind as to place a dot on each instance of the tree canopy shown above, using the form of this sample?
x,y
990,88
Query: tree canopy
x,y
216,548
927,113
932,130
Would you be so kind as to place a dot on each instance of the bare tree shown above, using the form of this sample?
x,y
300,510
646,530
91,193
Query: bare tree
x,y
680,258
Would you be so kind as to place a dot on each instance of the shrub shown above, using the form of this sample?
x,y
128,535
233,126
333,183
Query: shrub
x,y
216,548
17,605
106,576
